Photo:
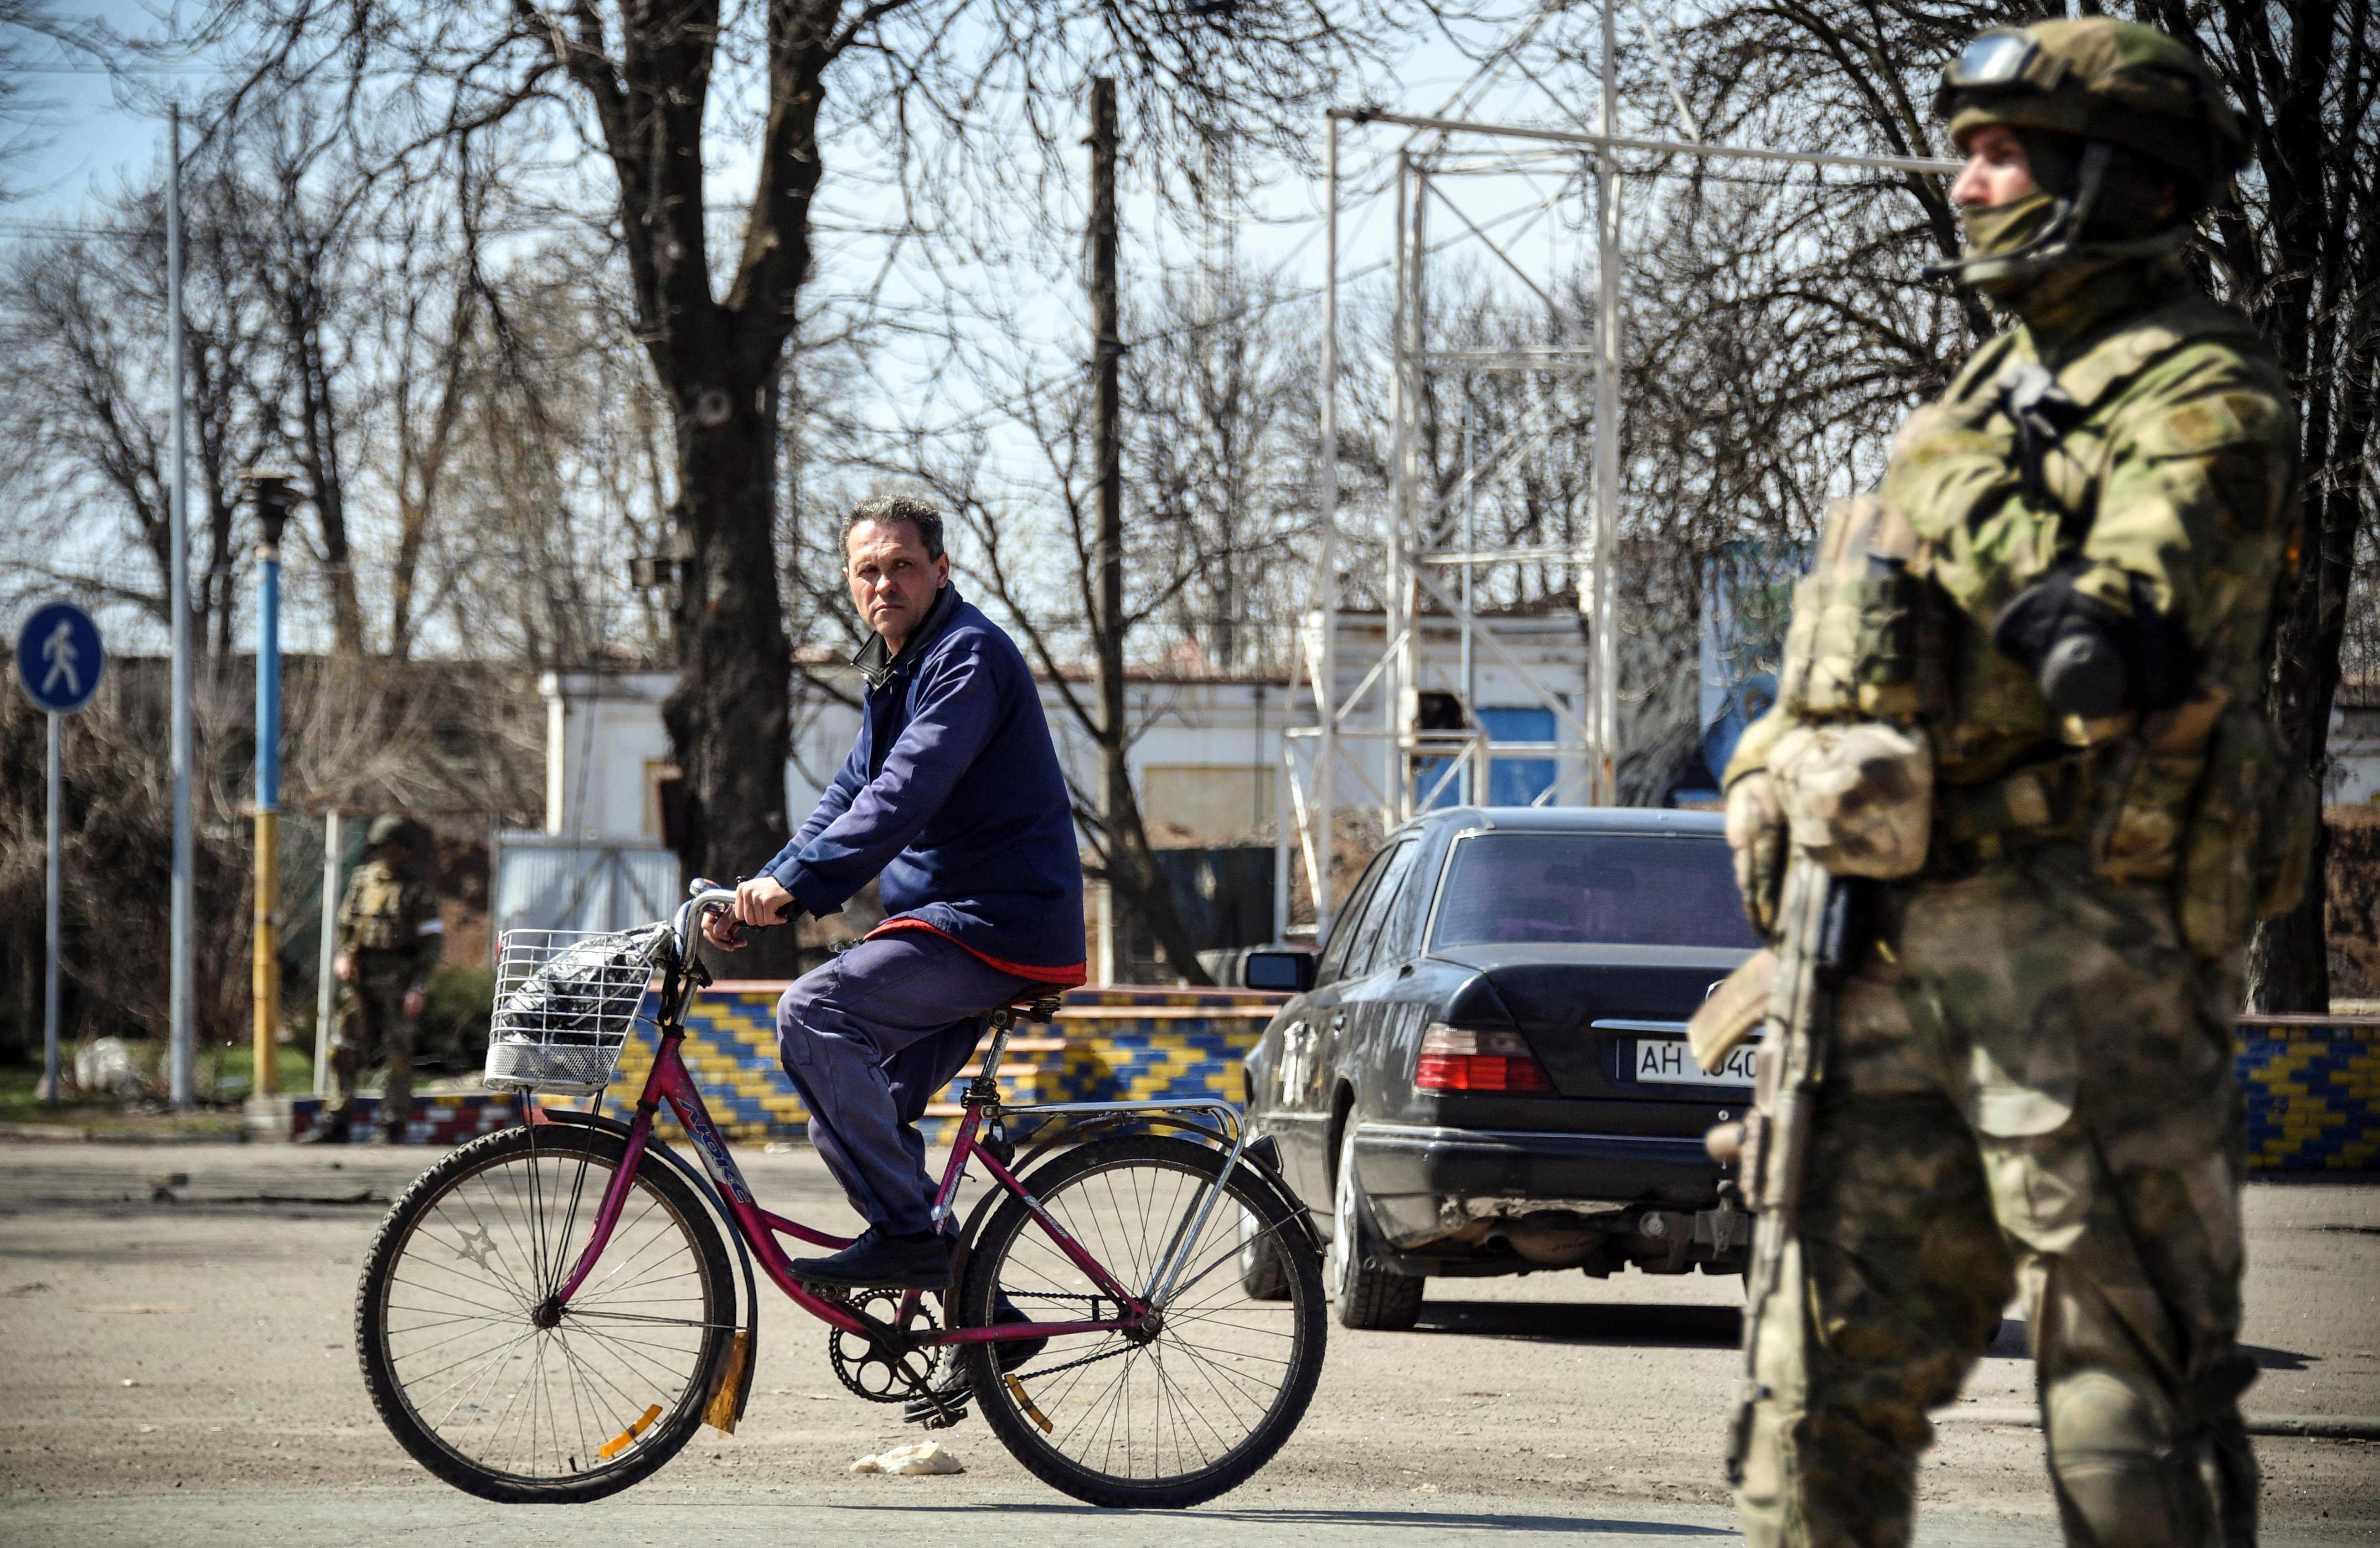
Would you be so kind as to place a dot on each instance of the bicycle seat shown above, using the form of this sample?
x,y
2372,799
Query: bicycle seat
x,y
1038,1002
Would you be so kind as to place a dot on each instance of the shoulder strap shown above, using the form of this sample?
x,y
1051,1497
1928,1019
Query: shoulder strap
x,y
2132,349
1974,378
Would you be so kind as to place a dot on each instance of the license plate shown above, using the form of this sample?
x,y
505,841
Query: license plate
x,y
1668,1061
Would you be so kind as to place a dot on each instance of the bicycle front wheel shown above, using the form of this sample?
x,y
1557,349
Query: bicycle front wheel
x,y
501,1397
1167,1419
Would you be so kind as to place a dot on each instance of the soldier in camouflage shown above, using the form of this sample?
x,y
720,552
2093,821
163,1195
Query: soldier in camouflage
x,y
390,938
2057,600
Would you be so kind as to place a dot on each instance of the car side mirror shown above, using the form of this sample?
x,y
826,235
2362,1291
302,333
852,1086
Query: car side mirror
x,y
1290,971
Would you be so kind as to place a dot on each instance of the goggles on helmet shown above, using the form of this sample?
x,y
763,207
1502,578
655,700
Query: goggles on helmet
x,y
1996,60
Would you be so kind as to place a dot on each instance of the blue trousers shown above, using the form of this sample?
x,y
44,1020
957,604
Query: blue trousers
x,y
868,1040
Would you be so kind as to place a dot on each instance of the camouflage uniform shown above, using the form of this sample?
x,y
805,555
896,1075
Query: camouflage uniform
x,y
389,928
2028,1080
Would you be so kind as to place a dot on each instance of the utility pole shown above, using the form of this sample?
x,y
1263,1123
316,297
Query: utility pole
x,y
1603,605
1324,821
181,1031
1107,432
273,498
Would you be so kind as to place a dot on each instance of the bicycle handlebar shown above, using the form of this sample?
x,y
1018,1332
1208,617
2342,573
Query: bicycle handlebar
x,y
701,896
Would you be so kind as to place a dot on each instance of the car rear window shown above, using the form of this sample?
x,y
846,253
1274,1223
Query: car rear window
x,y
1591,889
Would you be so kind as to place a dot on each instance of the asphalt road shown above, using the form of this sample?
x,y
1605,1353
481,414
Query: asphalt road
x,y
178,1370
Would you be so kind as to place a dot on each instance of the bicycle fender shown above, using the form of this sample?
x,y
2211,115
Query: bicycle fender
x,y
702,1184
1261,1158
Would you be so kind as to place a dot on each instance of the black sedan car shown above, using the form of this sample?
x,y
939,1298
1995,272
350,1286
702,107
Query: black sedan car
x,y
1485,1070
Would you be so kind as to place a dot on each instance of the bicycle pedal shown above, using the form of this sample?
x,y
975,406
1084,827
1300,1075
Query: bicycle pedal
x,y
938,1410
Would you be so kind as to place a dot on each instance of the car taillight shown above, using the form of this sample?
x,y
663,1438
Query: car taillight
x,y
1457,1059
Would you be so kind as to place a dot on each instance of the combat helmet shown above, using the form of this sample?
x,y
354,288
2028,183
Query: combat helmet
x,y
2128,96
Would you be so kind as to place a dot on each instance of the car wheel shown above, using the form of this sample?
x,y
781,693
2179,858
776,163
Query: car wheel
x,y
1367,1294
1262,1274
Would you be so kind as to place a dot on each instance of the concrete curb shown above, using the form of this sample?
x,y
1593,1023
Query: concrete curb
x,y
61,1133
2340,1427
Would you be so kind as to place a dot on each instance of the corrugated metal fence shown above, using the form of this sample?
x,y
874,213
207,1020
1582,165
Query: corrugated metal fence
x,y
544,882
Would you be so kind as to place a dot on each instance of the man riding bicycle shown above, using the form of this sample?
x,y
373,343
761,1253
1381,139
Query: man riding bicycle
x,y
953,794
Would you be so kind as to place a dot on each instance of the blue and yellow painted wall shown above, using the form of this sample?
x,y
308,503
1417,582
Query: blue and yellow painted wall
x,y
1109,1045
2312,1084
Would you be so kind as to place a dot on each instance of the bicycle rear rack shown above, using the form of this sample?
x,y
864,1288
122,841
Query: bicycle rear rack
x,y
983,1092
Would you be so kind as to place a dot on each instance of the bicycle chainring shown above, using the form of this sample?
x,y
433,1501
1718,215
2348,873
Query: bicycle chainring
x,y
891,1366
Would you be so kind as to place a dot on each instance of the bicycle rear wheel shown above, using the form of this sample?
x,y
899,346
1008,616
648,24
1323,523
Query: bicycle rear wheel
x,y
1163,1419
507,1402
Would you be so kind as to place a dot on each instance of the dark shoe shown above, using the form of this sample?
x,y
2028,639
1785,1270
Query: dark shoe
x,y
386,1136
881,1261
326,1131
953,1393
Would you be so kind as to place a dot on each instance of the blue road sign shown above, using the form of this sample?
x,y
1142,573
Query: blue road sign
x,y
59,657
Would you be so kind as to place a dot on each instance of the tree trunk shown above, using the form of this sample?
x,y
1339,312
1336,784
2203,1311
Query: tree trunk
x,y
319,449
1130,868
2289,961
729,716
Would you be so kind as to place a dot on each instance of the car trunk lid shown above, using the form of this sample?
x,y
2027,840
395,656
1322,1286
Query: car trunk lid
x,y
1583,1007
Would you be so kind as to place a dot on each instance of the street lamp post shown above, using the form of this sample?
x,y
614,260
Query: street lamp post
x,y
273,498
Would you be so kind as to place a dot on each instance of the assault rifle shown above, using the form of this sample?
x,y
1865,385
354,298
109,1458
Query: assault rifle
x,y
1814,919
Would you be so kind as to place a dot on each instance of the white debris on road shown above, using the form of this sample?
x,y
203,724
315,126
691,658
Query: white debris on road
x,y
926,1456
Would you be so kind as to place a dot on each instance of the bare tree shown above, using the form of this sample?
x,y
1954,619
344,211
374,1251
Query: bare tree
x,y
87,422
1216,464
916,82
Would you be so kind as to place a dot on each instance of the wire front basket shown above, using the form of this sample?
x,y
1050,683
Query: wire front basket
x,y
565,1001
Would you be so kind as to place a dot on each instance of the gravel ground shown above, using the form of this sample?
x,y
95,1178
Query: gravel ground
x,y
180,1368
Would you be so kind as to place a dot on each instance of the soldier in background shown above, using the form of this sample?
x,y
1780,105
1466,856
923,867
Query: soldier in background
x,y
2019,731
390,938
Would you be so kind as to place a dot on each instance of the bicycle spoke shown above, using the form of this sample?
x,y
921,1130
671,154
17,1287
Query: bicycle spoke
x,y
1186,1401
459,1335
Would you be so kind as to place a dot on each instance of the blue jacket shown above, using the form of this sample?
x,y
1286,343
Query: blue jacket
x,y
952,792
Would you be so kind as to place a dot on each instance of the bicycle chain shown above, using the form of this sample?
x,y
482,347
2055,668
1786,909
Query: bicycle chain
x,y
917,1386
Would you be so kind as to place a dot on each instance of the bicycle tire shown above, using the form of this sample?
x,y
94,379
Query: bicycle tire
x,y
1209,1299
525,1171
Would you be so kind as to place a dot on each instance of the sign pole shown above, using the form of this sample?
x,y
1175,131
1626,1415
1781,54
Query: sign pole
x,y
60,660
325,991
182,963
50,964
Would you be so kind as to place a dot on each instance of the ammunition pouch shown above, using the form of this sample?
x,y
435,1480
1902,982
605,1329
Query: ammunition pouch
x,y
1978,823
1860,645
1859,797
2244,849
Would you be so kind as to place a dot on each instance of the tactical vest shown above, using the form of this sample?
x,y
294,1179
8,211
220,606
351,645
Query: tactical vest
x,y
1987,490
376,911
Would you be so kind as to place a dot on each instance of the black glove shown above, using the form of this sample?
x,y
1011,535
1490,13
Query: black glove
x,y
2089,660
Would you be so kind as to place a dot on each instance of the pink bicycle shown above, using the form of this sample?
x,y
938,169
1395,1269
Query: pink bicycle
x,y
550,1312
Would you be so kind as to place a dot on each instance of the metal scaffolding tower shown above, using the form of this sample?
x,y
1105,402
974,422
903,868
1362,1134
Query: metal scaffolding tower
x,y
1431,559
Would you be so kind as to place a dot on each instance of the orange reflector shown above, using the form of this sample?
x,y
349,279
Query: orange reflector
x,y
1027,1403
627,1437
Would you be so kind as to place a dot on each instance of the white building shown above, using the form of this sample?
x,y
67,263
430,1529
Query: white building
x,y
1205,761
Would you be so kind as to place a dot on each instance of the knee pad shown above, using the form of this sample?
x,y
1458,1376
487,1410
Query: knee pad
x,y
2113,1457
